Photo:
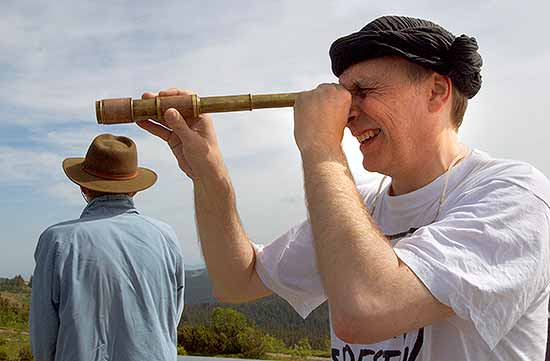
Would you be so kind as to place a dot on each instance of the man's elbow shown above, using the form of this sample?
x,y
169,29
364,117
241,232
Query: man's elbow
x,y
355,331
358,325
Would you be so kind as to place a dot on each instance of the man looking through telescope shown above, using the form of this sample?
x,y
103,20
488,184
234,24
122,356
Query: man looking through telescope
x,y
446,260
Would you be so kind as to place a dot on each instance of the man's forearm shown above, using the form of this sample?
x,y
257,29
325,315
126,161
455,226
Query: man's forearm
x,y
354,257
227,250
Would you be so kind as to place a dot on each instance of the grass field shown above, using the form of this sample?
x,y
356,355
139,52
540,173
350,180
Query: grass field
x,y
12,341
14,334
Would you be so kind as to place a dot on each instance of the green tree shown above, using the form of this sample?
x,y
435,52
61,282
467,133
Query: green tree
x,y
302,348
227,324
228,321
200,340
228,332
252,343
273,316
273,344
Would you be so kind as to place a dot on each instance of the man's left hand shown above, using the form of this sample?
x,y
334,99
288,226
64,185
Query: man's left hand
x,y
320,116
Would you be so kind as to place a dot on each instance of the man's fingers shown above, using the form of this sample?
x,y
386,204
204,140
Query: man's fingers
x,y
175,121
167,93
148,95
175,91
155,129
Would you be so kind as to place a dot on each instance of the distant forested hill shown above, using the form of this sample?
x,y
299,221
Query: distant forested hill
x,y
198,288
272,314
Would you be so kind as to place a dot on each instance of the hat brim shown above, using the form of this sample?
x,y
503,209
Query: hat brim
x,y
73,169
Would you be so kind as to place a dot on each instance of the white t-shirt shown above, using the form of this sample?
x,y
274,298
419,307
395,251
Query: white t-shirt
x,y
486,257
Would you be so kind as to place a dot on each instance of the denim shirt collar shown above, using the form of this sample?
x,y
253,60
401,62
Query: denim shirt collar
x,y
109,205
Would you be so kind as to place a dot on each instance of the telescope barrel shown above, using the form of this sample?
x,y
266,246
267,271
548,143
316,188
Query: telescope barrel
x,y
128,110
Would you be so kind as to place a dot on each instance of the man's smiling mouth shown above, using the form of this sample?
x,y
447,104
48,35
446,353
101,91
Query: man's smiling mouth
x,y
367,135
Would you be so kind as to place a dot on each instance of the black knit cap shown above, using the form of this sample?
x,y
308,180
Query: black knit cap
x,y
419,41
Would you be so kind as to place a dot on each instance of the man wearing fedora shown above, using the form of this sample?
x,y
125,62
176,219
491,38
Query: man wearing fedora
x,y
108,285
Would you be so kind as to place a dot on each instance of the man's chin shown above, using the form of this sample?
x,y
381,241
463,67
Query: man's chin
x,y
371,166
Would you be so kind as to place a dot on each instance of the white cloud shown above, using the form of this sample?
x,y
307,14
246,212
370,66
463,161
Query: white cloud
x,y
23,166
58,57
66,191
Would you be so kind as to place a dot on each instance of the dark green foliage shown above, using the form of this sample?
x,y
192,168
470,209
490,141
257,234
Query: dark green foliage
x,y
3,356
201,340
249,330
227,332
227,321
229,324
252,343
274,344
302,348
273,316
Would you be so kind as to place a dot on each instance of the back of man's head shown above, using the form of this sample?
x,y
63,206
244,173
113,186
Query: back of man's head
x,y
109,167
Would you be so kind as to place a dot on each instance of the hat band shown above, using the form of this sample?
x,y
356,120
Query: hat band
x,y
109,176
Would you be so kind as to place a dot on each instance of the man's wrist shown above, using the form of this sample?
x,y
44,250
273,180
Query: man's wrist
x,y
320,154
214,183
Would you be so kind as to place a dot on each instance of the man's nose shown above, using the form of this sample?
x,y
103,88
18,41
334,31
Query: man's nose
x,y
353,110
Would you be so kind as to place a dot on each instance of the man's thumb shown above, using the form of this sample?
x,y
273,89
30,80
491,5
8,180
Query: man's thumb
x,y
175,121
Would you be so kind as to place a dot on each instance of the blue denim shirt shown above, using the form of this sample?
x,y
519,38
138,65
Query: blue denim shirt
x,y
107,286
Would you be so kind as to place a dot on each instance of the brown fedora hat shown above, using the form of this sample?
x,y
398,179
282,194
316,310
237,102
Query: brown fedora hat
x,y
110,166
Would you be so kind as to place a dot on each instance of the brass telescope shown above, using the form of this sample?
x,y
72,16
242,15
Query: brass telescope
x,y
128,110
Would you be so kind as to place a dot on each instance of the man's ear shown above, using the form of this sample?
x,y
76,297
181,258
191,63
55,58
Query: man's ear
x,y
440,89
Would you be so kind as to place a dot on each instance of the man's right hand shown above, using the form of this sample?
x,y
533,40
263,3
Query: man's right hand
x,y
228,252
193,141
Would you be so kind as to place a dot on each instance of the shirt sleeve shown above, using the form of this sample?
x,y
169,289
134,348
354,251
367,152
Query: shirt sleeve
x,y
288,267
487,258
44,317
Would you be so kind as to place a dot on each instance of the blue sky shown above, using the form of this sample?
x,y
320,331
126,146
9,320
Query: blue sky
x,y
58,57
